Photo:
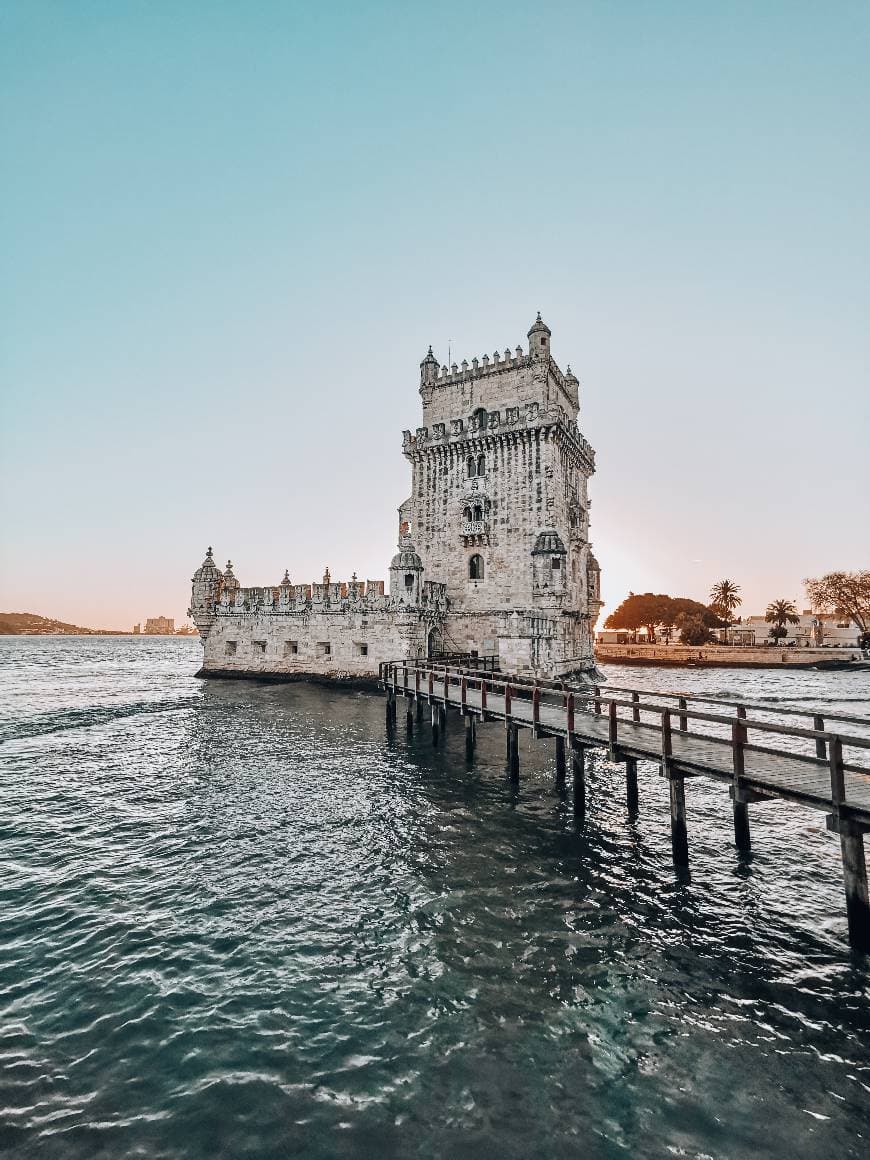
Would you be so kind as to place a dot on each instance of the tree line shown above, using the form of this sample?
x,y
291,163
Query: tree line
x,y
845,594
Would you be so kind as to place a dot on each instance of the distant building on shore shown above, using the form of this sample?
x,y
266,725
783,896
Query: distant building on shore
x,y
159,626
137,629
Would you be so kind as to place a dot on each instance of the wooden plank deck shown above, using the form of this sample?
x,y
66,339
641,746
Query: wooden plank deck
x,y
754,771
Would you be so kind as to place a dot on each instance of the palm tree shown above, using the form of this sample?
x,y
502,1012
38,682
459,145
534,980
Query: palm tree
x,y
780,613
724,599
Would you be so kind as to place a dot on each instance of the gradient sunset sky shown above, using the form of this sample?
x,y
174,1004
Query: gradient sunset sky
x,y
230,232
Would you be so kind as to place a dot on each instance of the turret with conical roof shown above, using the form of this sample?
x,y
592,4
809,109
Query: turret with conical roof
x,y
207,583
428,369
539,339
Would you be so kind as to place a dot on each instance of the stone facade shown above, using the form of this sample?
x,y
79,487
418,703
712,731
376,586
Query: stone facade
x,y
494,554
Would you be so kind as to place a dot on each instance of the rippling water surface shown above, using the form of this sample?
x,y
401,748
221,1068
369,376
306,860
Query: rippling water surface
x,y
237,921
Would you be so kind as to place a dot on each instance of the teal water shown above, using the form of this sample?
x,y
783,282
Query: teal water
x,y
238,921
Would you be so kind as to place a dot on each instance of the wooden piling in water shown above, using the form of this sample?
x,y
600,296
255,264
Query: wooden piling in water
x,y
578,771
513,753
631,798
436,723
560,761
469,737
851,851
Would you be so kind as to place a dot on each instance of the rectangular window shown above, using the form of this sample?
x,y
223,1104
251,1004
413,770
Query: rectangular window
x,y
557,563
324,648
259,648
231,648
363,650
291,648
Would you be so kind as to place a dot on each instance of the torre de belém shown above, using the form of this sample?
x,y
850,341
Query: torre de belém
x,y
494,555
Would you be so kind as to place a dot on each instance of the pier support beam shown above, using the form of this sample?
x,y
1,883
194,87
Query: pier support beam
x,y
409,715
419,702
513,753
631,784
390,710
560,761
742,839
855,882
578,770
436,723
679,835
470,737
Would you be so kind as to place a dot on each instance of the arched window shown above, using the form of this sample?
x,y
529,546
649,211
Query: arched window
x,y
478,512
475,568
481,417
472,466
466,515
481,465
409,579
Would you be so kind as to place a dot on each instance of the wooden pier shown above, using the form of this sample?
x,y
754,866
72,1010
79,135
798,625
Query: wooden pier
x,y
670,729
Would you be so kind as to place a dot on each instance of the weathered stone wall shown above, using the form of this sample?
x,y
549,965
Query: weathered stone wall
x,y
332,644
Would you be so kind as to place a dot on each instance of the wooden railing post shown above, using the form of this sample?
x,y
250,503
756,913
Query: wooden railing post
x,y
536,705
463,692
635,712
819,726
446,685
676,785
684,720
738,798
570,713
482,697
431,683
508,695
596,703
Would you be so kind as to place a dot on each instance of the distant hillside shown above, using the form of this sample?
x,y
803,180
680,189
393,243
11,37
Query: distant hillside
x,y
28,624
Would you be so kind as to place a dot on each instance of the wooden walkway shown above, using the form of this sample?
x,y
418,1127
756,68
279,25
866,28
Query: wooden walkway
x,y
686,741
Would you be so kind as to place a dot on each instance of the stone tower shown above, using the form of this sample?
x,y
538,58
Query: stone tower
x,y
499,509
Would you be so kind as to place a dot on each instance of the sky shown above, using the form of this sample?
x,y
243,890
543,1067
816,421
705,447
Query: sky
x,y
230,231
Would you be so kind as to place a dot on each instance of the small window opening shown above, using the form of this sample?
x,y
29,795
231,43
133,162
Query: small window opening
x,y
475,568
260,647
472,466
467,515
557,563
363,650
478,512
324,648
291,648
409,579
232,645
481,465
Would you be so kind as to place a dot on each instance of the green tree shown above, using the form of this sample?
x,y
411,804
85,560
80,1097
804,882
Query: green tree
x,y
846,594
724,599
693,628
779,613
657,610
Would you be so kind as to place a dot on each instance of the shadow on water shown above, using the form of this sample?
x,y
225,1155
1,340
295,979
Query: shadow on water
x,y
262,927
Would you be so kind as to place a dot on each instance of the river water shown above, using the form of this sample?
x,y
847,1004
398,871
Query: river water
x,y
238,921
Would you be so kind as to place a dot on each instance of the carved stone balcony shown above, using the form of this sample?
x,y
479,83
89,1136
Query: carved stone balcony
x,y
475,528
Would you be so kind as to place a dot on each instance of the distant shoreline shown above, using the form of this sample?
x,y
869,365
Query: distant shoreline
x,y
727,657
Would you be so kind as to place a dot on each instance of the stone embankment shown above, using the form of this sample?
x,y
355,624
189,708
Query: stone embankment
x,y
723,656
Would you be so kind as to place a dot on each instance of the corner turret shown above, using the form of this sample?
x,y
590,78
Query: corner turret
x,y
539,339
207,583
428,370
406,574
